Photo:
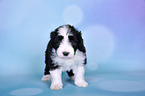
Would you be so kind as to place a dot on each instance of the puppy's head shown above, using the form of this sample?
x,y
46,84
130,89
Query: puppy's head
x,y
66,40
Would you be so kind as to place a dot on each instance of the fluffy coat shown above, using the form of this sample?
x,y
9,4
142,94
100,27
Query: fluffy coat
x,y
65,52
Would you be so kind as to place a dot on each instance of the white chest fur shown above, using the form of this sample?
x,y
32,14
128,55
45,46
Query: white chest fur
x,y
68,63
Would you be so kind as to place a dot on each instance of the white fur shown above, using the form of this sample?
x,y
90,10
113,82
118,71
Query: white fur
x,y
66,63
46,78
56,82
75,63
79,76
65,45
63,31
69,63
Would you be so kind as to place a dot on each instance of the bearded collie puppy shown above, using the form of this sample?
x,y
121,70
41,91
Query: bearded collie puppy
x,y
65,52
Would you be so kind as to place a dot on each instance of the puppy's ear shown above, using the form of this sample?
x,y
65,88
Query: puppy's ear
x,y
80,34
81,43
52,35
80,37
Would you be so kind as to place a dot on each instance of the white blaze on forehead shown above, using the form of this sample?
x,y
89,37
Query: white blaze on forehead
x,y
65,45
64,31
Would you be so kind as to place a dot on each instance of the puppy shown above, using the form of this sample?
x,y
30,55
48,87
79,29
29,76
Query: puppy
x,y
65,52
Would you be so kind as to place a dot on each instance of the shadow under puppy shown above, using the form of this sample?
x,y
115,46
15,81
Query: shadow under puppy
x,y
65,52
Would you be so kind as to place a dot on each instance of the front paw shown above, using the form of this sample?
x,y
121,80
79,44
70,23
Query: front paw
x,y
46,78
81,83
56,86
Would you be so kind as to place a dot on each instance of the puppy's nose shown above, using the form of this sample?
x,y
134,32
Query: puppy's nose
x,y
65,53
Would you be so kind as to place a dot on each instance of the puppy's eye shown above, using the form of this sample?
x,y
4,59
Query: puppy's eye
x,y
71,38
60,37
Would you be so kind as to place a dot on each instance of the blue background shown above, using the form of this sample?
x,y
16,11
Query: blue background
x,y
114,36
113,32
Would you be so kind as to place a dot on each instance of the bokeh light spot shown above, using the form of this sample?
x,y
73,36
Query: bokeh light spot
x,y
99,44
72,15
122,86
26,91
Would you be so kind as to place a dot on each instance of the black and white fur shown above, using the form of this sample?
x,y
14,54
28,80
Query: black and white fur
x,y
65,52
